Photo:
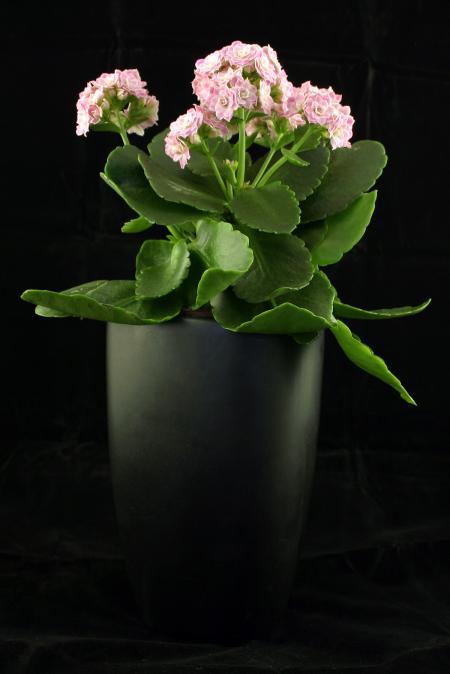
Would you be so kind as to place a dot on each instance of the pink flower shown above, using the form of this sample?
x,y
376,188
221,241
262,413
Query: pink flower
x,y
177,149
217,126
130,81
95,113
205,90
226,103
265,99
319,107
267,65
188,124
241,55
341,129
246,92
211,63
223,76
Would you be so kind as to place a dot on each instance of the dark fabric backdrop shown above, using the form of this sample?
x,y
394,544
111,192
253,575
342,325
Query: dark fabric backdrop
x,y
373,582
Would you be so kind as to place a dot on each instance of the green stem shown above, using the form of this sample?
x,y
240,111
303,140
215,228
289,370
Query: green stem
x,y
175,233
265,164
230,191
214,168
241,148
123,133
278,164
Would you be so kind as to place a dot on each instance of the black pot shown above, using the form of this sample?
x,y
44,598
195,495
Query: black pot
x,y
212,441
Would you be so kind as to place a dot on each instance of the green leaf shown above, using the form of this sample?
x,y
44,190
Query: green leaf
x,y
160,267
136,225
125,176
304,311
347,311
302,181
225,256
362,355
344,230
293,159
46,312
312,234
351,171
112,301
272,208
281,263
179,185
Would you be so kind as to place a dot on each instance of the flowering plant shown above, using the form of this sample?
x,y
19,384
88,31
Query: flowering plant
x,y
246,240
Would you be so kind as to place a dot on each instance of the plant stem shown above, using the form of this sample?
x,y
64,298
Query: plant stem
x,y
278,164
123,135
265,164
175,233
241,148
214,168
230,191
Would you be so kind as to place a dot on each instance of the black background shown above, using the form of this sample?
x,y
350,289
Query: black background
x,y
373,579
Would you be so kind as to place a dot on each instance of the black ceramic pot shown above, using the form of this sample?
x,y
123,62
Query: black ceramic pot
x,y
212,441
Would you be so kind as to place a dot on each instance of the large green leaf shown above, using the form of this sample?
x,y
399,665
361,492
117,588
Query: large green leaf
x,y
225,256
303,181
344,230
347,311
112,301
351,171
362,355
281,263
272,208
160,267
304,311
179,185
124,175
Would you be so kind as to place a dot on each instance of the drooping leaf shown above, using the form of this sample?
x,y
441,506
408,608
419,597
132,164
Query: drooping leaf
x,y
347,311
112,301
225,255
303,181
344,230
351,171
179,185
362,355
160,267
272,208
281,263
124,175
304,311
136,225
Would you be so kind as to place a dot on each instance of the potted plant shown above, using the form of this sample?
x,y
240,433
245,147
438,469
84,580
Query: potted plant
x,y
215,347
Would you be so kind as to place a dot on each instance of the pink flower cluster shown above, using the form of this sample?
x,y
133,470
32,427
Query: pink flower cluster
x,y
321,106
112,94
250,77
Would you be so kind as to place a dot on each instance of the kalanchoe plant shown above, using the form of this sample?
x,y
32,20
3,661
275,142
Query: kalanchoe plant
x,y
245,240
